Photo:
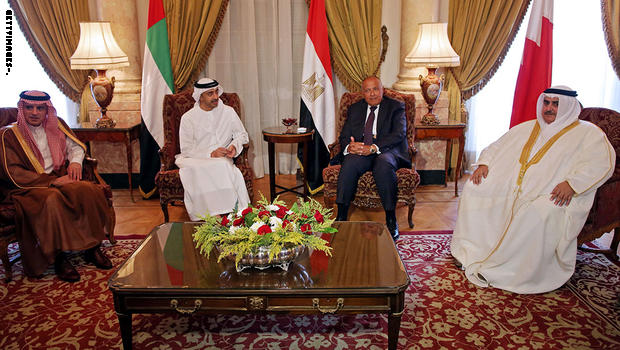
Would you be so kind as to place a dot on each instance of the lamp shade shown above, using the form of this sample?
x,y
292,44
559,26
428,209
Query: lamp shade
x,y
97,48
432,47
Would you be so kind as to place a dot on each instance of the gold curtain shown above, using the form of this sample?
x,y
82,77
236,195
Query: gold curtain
x,y
52,29
192,29
354,39
611,27
481,32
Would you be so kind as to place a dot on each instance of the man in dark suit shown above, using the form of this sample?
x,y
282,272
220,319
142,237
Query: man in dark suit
x,y
373,138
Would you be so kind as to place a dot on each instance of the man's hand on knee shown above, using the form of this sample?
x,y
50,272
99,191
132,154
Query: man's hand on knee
x,y
219,152
231,151
358,148
562,194
74,171
481,172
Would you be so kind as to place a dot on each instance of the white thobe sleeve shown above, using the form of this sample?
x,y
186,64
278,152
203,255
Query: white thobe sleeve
x,y
239,135
186,136
595,164
75,152
487,154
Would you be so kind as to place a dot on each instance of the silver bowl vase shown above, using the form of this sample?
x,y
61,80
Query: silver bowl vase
x,y
260,260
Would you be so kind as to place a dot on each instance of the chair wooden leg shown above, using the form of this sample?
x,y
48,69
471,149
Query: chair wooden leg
x,y
4,256
328,200
164,209
410,213
110,226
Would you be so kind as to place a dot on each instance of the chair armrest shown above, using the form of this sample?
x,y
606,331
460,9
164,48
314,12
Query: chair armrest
x,y
242,159
334,149
166,161
89,171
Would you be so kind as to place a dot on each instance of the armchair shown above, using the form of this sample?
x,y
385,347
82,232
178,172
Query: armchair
x,y
167,179
367,195
7,209
605,213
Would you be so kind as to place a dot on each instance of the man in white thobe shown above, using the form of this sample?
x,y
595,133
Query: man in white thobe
x,y
211,135
529,197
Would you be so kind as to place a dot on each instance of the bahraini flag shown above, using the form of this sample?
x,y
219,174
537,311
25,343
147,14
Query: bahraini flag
x,y
535,71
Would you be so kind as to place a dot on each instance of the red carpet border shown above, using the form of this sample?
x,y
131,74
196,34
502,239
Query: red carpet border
x,y
443,310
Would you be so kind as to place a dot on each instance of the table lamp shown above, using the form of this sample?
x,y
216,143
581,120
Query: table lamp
x,y
432,49
98,50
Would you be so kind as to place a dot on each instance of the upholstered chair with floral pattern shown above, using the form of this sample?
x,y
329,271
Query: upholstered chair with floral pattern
x,y
367,195
605,213
167,179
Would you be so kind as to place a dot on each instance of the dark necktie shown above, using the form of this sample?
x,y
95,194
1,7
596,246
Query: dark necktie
x,y
368,127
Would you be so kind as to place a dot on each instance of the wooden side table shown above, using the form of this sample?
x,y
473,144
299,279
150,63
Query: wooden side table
x,y
122,132
278,134
448,132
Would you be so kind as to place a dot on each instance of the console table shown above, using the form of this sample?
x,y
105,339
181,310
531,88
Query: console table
x,y
278,134
124,132
448,132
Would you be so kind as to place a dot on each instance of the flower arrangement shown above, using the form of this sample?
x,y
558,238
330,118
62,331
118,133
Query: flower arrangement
x,y
270,226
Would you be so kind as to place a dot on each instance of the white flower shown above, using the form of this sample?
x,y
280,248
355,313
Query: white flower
x,y
232,229
272,207
289,212
275,222
255,226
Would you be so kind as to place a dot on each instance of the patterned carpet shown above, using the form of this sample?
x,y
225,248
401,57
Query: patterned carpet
x,y
443,310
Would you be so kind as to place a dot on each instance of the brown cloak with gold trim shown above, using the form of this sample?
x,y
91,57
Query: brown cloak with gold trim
x,y
49,219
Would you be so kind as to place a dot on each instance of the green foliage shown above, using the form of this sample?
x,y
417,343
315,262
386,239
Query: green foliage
x,y
270,225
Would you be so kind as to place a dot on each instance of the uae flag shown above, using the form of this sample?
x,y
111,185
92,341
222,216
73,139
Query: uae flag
x,y
317,111
535,71
157,81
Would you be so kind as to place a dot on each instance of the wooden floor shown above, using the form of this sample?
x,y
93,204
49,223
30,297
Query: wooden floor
x,y
435,209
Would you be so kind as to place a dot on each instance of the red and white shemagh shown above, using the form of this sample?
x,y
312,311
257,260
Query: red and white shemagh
x,y
56,139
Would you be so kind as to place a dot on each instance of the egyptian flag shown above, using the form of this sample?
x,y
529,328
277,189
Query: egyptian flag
x,y
535,71
317,111
157,81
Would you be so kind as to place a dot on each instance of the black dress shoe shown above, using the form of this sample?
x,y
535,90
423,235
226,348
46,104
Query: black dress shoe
x,y
65,270
392,225
96,257
343,211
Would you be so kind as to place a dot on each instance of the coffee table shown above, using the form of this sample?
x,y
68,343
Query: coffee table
x,y
166,273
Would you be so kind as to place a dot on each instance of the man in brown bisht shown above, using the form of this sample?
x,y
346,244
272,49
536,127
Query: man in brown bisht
x,y
41,170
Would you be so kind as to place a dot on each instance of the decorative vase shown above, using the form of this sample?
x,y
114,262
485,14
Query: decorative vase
x,y
289,123
260,259
431,88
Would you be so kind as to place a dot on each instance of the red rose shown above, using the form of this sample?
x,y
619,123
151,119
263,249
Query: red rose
x,y
263,229
306,227
225,221
318,217
238,222
246,211
281,213
304,216
285,223
263,212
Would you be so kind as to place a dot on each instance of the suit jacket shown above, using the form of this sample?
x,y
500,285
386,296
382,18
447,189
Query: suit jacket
x,y
391,129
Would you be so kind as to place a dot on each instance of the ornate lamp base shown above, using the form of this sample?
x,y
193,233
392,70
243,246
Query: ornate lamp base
x,y
431,88
102,90
429,118
105,122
